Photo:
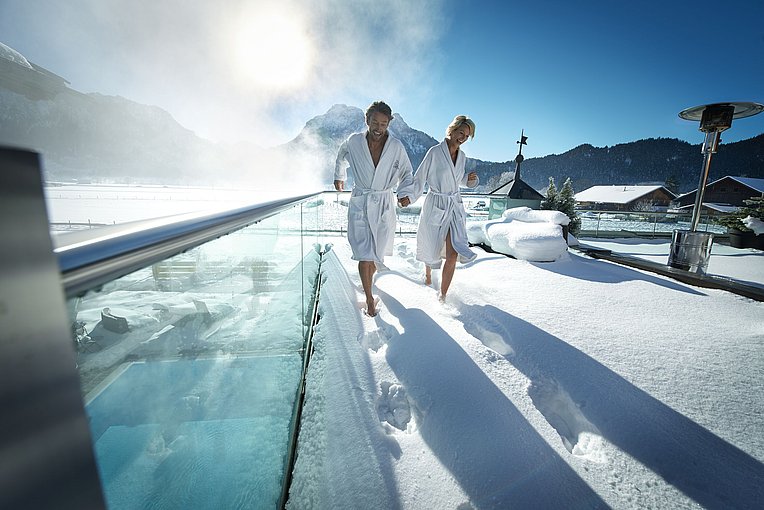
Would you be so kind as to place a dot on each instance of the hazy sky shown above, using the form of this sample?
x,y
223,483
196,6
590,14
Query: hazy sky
x,y
599,72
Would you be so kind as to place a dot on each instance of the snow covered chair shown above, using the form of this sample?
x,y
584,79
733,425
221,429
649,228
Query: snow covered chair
x,y
523,233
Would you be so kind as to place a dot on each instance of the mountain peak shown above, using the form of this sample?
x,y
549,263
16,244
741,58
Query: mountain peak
x,y
338,119
14,56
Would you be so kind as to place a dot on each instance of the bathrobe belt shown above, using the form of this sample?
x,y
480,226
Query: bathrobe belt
x,y
451,196
373,194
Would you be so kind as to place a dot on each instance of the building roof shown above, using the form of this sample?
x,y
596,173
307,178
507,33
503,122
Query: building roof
x,y
722,208
757,184
617,194
753,183
518,189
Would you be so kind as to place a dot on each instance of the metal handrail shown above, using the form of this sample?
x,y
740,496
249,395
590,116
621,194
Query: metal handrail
x,y
90,258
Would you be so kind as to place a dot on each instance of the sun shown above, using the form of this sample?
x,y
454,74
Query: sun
x,y
272,51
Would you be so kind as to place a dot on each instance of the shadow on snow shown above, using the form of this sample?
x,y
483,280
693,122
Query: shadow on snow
x,y
497,457
703,466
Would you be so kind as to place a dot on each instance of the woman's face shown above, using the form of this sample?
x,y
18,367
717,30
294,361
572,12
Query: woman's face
x,y
461,134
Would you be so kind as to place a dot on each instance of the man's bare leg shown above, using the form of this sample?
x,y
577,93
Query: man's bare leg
x,y
427,275
448,267
367,269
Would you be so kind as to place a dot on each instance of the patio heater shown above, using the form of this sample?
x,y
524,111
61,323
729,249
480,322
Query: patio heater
x,y
690,249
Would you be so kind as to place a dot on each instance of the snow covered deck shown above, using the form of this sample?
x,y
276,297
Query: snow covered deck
x,y
573,384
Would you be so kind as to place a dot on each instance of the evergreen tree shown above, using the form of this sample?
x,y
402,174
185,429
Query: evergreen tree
x,y
672,184
551,202
567,204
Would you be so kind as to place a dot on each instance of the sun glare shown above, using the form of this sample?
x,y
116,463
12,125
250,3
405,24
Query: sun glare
x,y
272,51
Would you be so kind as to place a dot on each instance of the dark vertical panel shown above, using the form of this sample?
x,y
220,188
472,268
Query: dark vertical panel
x,y
46,457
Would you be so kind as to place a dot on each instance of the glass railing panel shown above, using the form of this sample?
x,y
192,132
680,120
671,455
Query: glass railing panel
x,y
642,223
480,207
334,212
190,369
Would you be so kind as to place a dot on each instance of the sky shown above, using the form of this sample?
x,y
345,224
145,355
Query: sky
x,y
596,72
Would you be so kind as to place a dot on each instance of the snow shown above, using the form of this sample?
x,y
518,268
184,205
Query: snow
x,y
751,182
9,53
576,383
529,215
742,264
754,224
614,194
722,208
523,233
572,384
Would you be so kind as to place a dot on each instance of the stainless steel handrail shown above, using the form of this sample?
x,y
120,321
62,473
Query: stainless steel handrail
x,y
90,258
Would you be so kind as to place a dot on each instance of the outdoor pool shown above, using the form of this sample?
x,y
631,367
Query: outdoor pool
x,y
195,433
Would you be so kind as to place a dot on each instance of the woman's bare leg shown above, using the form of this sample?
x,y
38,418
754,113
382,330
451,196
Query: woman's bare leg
x,y
366,269
427,275
448,267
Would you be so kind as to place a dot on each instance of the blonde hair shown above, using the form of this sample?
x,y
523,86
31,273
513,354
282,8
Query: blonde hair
x,y
459,121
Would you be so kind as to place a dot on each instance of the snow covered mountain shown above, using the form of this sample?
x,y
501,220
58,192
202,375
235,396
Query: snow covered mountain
x,y
93,137
321,137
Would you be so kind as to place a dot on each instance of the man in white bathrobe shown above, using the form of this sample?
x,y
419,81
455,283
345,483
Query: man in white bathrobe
x,y
379,164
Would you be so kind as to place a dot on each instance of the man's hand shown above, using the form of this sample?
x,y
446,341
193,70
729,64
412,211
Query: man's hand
x,y
404,202
339,185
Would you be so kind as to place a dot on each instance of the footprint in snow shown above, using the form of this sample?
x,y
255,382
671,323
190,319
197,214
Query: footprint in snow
x,y
492,334
373,339
579,435
393,405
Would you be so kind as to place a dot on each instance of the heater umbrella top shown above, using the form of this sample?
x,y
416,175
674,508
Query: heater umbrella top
x,y
741,110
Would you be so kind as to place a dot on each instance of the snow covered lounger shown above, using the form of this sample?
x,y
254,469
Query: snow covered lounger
x,y
523,233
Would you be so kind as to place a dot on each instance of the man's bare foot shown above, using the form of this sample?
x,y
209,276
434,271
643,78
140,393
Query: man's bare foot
x,y
441,297
427,280
371,307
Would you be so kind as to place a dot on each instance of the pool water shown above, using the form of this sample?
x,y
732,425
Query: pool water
x,y
203,433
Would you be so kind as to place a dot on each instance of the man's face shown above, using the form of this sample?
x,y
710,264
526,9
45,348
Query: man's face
x,y
377,123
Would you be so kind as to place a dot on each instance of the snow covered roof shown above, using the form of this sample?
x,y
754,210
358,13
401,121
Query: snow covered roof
x,y
722,208
755,184
9,53
615,194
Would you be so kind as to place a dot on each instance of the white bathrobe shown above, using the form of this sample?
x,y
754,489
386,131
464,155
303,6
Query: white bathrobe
x,y
371,212
443,209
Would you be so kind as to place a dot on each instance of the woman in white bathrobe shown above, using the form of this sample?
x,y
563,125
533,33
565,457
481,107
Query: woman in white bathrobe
x,y
442,232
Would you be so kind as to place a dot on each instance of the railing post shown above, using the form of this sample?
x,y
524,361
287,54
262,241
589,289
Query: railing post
x,y
597,230
655,223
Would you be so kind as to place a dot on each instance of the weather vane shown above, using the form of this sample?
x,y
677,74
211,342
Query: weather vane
x,y
518,159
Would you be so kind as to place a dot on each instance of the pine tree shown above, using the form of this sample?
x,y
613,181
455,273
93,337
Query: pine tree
x,y
672,184
551,202
567,205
